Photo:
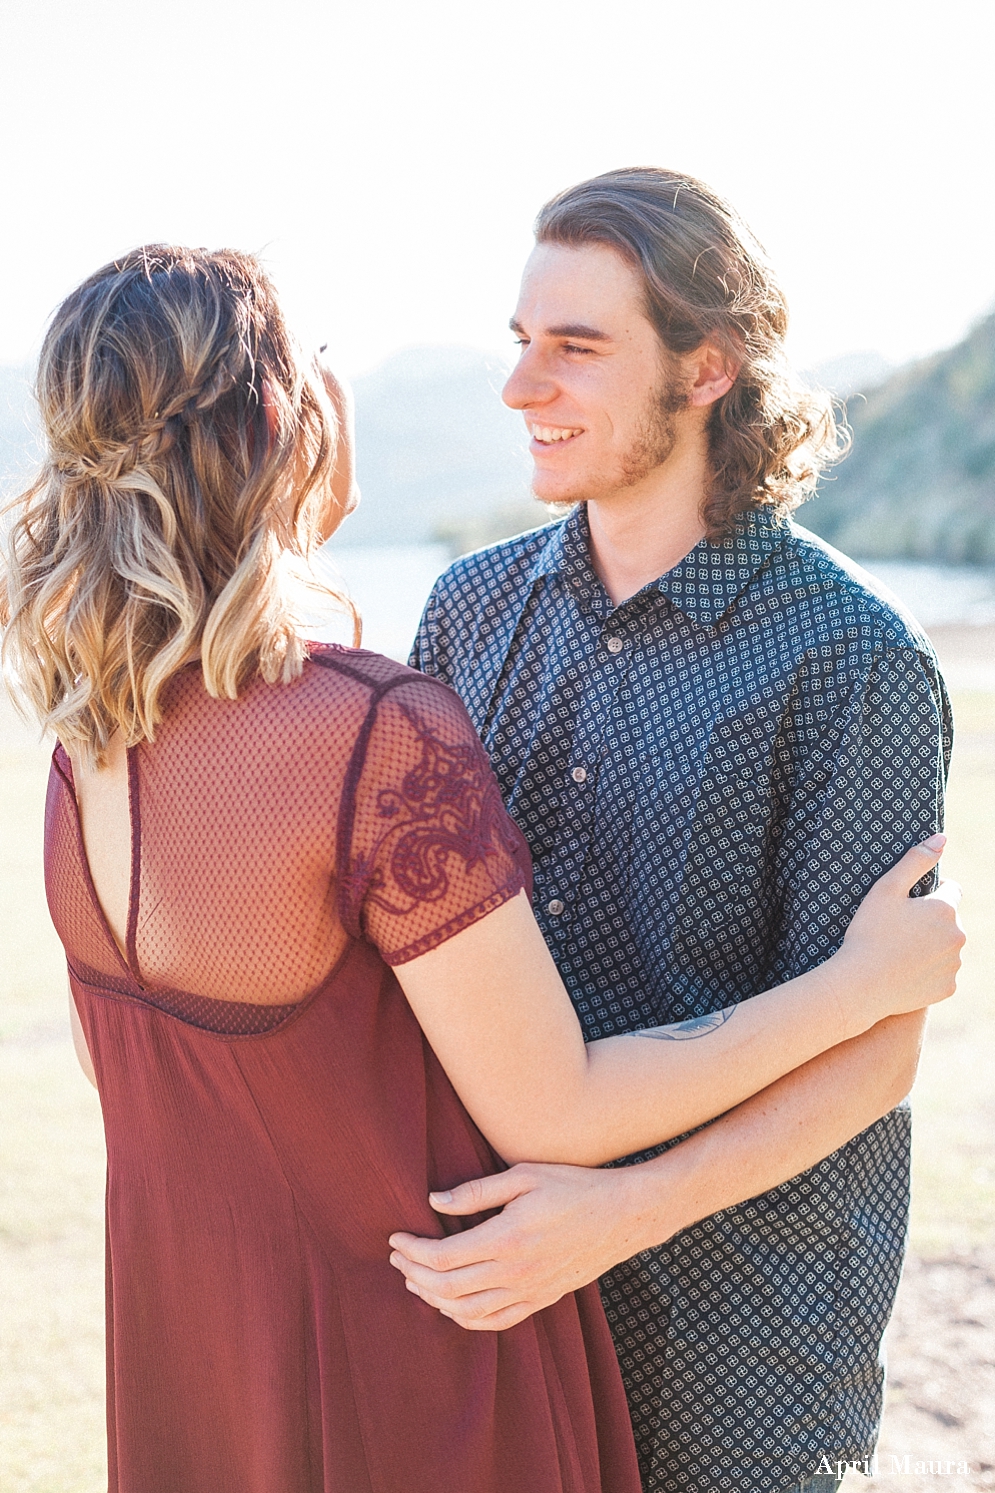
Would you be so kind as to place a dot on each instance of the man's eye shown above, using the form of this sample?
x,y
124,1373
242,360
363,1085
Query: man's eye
x,y
569,347
521,342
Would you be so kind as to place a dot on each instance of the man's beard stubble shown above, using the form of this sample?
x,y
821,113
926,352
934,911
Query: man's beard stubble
x,y
656,441
650,449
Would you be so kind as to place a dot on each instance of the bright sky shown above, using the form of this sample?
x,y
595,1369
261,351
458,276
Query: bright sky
x,y
387,157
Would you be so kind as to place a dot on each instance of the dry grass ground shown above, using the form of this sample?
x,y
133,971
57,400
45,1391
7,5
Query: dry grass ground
x,y
942,1384
51,1179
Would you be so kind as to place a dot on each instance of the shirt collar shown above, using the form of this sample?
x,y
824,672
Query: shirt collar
x,y
553,557
708,580
705,583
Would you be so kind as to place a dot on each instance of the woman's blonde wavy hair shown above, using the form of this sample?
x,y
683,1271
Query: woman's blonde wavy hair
x,y
705,276
190,456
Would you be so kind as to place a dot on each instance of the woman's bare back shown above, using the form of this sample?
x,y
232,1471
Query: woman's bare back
x,y
105,820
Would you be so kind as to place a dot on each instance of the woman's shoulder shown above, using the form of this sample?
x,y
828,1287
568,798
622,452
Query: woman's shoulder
x,y
341,695
377,674
402,714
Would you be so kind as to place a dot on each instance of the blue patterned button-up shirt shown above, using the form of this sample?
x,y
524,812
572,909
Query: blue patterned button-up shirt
x,y
710,776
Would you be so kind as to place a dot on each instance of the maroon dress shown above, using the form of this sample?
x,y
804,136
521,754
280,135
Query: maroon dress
x,y
273,1111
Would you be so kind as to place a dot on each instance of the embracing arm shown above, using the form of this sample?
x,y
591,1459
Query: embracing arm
x,y
563,1226
782,1131
493,1007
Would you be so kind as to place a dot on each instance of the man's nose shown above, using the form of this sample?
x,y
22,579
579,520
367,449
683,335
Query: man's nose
x,y
526,385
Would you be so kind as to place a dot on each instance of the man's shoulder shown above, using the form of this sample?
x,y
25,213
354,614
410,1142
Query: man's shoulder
x,y
835,592
473,611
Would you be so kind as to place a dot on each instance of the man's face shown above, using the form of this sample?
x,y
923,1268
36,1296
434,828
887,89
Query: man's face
x,y
591,380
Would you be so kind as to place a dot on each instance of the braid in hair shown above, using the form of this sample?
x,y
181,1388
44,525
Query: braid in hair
x,y
156,531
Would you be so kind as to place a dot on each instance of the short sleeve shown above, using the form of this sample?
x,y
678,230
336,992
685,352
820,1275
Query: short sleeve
x,y
428,845
877,787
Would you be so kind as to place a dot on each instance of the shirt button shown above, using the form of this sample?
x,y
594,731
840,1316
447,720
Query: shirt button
x,y
555,907
615,645
579,774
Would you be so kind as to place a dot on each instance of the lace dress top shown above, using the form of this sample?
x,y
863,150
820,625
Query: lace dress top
x,y
273,1112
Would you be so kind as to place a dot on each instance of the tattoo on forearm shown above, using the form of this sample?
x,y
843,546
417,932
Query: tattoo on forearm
x,y
685,1031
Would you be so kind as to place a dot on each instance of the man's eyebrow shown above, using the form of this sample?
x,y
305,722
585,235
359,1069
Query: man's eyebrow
x,y
569,329
578,330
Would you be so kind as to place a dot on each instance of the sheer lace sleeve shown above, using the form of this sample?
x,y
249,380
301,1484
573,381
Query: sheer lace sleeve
x,y
428,846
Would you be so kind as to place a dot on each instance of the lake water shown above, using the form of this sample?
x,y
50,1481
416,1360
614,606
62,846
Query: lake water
x,y
940,595
390,587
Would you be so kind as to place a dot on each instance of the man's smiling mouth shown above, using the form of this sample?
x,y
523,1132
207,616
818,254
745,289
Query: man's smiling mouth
x,y
548,435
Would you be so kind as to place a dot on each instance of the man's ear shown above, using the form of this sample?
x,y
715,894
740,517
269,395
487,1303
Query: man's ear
x,y
712,373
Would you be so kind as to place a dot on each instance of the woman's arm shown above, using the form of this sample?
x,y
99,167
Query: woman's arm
x,y
494,1009
560,1227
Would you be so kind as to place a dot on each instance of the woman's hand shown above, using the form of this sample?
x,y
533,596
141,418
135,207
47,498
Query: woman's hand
x,y
344,490
903,952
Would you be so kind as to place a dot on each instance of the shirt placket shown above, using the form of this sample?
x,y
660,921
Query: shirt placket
x,y
611,639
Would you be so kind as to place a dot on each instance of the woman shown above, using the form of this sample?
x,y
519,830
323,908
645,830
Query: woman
x,y
300,946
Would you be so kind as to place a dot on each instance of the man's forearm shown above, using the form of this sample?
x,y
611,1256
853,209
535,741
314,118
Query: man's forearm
x,y
562,1226
778,1133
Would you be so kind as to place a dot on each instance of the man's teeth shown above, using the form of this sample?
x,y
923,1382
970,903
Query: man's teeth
x,y
549,433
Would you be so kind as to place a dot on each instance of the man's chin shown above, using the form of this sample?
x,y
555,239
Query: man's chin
x,y
558,494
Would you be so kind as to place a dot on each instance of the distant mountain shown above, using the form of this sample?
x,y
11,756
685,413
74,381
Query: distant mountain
x,y
920,480
851,373
438,454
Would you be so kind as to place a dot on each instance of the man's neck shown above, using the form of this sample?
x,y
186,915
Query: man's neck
x,y
639,533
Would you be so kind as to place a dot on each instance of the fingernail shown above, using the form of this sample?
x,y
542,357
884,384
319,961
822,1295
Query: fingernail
x,y
935,842
440,1197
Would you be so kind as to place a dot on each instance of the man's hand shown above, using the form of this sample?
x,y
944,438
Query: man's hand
x,y
562,1227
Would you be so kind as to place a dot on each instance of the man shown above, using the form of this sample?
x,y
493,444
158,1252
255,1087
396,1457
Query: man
x,y
694,709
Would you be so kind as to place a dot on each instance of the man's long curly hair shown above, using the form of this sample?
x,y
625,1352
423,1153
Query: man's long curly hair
x,y
705,277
